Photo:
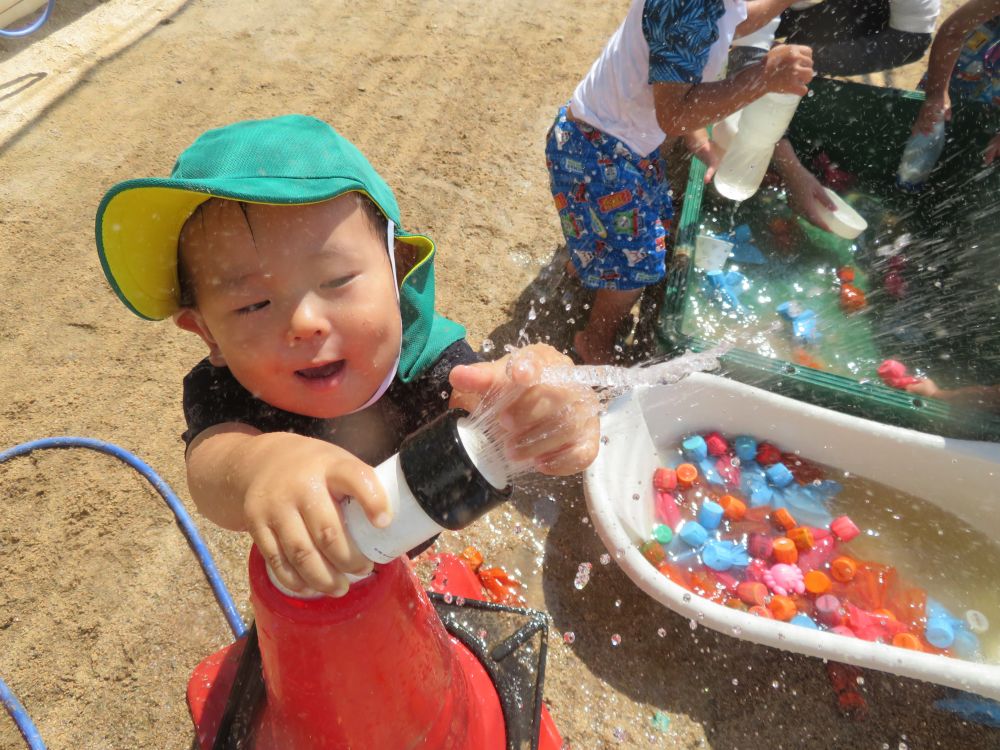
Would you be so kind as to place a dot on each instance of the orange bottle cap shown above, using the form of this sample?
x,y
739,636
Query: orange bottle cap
x,y
843,569
802,537
817,582
687,474
785,551
734,508
752,592
761,611
907,640
782,607
782,518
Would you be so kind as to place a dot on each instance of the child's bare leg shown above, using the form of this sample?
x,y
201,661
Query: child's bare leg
x,y
596,342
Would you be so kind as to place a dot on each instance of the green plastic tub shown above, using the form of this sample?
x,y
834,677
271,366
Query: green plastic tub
x,y
946,320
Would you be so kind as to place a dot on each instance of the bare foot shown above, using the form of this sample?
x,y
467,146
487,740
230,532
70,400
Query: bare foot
x,y
595,356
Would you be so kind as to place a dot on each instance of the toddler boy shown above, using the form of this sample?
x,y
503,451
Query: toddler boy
x,y
277,243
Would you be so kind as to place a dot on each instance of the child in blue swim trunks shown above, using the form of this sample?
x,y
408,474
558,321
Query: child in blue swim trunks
x,y
655,77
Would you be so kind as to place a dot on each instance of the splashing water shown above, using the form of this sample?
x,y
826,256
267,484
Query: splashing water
x,y
487,440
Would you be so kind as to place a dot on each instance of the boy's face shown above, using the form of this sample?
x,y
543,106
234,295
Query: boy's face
x,y
298,301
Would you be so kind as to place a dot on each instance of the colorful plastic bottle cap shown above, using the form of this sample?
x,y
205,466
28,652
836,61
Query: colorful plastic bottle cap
x,y
844,528
802,537
695,448
761,611
939,632
843,630
746,448
761,546
693,533
710,515
783,519
779,475
653,552
843,569
715,555
717,445
663,533
767,454
804,620
782,607
761,495
666,510
733,508
846,274
687,475
753,593
828,610
785,551
665,479
977,621
907,640
843,221
817,582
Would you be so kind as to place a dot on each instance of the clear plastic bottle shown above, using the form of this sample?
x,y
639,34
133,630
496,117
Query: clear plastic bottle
x,y
919,157
761,125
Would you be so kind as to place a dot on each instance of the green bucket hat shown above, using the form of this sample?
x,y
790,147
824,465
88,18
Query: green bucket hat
x,y
288,160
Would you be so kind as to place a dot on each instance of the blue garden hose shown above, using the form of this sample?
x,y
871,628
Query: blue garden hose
x,y
10,702
31,28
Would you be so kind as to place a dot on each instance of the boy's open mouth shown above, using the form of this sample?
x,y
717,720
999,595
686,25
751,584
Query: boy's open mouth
x,y
322,371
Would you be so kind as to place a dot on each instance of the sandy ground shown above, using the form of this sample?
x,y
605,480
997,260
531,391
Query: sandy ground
x,y
103,611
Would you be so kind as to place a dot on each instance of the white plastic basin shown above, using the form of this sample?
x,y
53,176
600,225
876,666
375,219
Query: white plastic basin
x,y
963,474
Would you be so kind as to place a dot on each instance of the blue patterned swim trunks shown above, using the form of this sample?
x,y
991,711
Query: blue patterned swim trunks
x,y
614,206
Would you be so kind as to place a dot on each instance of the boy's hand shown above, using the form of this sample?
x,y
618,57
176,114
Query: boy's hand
x,y
788,68
926,388
707,151
556,427
992,149
806,195
931,111
291,511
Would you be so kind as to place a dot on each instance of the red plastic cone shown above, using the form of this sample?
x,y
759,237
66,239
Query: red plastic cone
x,y
373,669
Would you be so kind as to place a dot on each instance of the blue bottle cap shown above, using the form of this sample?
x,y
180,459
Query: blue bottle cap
x,y
761,495
804,620
716,555
710,514
746,448
693,533
695,447
939,632
779,475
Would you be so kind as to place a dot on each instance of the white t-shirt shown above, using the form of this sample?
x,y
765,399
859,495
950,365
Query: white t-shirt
x,y
669,41
915,16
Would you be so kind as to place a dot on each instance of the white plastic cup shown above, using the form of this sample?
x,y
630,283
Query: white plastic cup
x,y
711,253
844,221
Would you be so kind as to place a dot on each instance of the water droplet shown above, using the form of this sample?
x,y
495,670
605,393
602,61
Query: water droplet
x,y
483,634
686,598
775,684
692,624
619,734
582,576
635,495
488,346
735,681
604,439
569,636
616,639
662,632
618,602
444,395
460,601
448,598
605,558
737,630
